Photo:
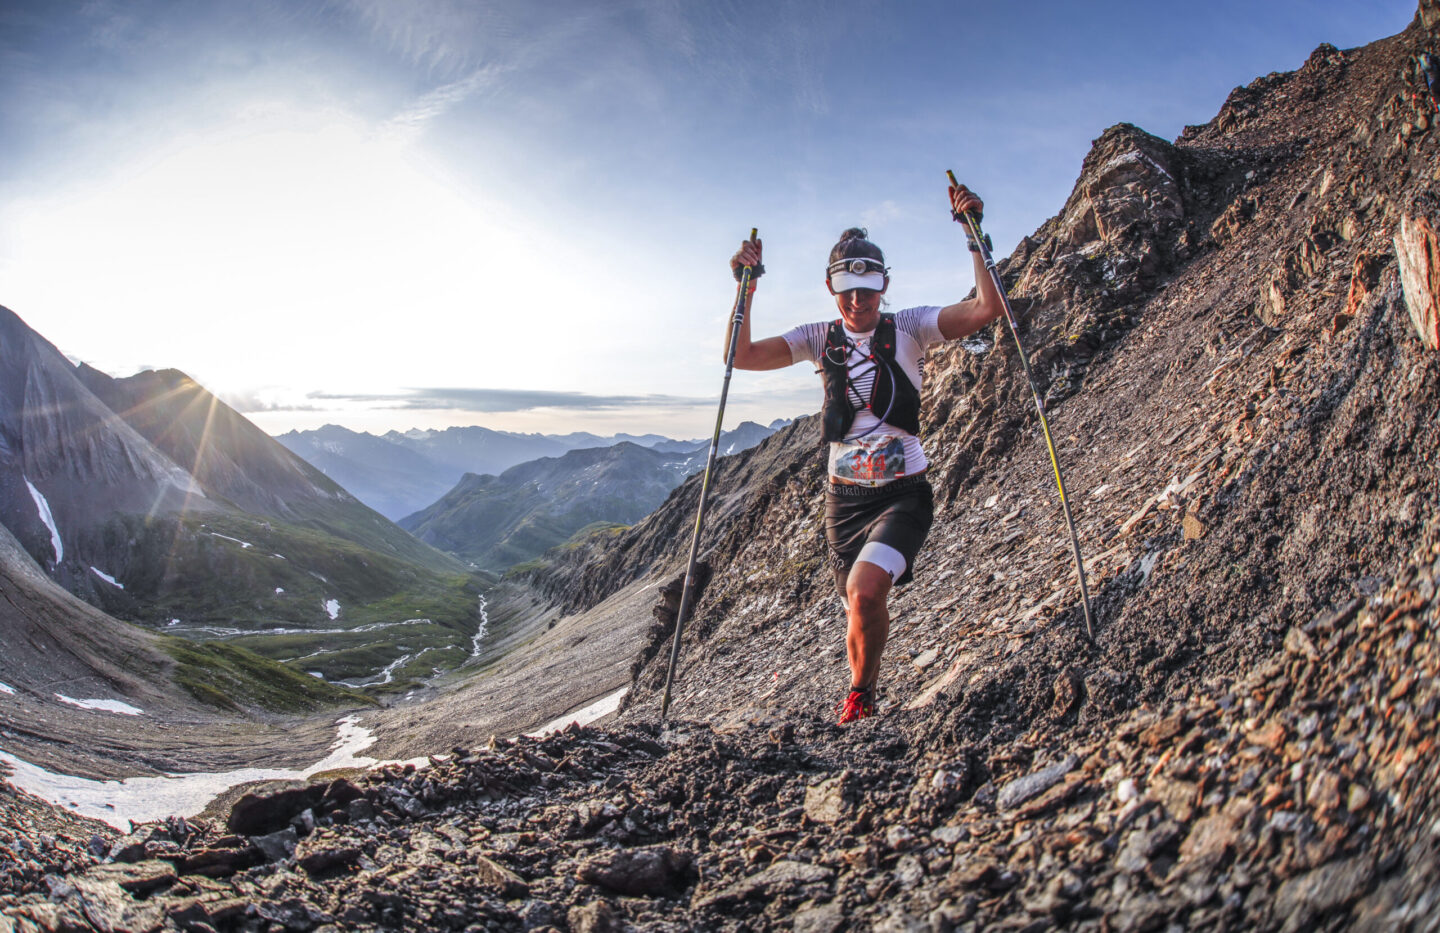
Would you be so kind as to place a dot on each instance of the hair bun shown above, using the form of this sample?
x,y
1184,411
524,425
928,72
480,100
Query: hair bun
x,y
855,233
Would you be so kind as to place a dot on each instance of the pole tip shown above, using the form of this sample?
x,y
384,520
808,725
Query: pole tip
x,y
951,175
754,232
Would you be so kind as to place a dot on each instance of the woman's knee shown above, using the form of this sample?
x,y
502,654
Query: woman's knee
x,y
867,587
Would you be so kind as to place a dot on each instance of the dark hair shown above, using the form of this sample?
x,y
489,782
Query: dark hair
x,y
855,245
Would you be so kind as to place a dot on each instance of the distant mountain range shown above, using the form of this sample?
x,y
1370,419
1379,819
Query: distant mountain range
x,y
399,474
500,521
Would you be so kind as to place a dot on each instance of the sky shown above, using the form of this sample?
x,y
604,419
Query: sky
x,y
519,213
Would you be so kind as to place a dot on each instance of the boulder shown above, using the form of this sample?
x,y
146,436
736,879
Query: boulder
x,y
1419,258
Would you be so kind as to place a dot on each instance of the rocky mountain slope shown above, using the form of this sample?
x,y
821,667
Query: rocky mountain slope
x,y
1235,335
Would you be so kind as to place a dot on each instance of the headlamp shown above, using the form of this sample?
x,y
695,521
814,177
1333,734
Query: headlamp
x,y
857,266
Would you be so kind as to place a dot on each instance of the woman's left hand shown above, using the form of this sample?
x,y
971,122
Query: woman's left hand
x,y
964,201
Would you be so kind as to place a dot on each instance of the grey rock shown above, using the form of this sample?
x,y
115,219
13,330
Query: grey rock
x,y
825,918
1315,893
779,879
277,847
594,917
493,874
138,878
1032,785
112,910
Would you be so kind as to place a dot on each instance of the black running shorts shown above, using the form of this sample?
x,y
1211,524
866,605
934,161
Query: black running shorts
x,y
898,514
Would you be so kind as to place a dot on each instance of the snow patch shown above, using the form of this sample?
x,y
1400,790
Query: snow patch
x,y
104,706
43,507
332,608
279,590
7,689
1133,156
601,707
243,544
145,799
107,578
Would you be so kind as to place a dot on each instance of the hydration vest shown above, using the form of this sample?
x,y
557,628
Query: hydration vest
x,y
894,400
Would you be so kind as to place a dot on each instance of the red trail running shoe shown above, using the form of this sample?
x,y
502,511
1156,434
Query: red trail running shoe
x,y
858,705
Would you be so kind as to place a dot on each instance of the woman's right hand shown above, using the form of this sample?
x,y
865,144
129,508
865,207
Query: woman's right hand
x,y
747,255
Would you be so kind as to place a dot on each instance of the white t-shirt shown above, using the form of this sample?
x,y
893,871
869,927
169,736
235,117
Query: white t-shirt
x,y
872,441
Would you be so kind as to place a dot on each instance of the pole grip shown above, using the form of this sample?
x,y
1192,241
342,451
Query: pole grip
x,y
969,221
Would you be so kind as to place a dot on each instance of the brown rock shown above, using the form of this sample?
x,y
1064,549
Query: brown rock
x,y
1178,797
1210,837
1419,257
1271,307
1324,791
217,863
650,872
831,800
1298,643
1067,694
139,878
318,857
595,917
258,814
111,909
1271,735
1163,731
496,875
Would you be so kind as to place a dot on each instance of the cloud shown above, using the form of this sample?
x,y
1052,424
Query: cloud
x,y
251,402
503,400
414,118
878,216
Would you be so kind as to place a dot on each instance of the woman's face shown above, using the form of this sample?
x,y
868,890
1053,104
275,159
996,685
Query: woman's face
x,y
859,307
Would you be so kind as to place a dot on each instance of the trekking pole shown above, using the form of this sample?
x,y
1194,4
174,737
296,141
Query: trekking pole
x,y
686,598
978,239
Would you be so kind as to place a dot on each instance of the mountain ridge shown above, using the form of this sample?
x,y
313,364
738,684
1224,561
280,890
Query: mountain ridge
x,y
400,473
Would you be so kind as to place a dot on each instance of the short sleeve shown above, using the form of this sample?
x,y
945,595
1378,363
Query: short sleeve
x,y
922,324
807,342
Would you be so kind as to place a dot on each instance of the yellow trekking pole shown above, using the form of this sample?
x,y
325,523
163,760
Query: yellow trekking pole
x,y
686,596
979,241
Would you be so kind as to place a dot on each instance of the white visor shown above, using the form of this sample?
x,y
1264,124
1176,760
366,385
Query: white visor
x,y
844,281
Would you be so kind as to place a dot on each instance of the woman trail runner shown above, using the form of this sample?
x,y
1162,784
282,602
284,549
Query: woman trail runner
x,y
878,502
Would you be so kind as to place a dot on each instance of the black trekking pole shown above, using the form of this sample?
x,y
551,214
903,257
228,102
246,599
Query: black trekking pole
x,y
686,596
979,241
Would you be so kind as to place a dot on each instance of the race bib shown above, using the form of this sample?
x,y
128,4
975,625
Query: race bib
x,y
872,460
